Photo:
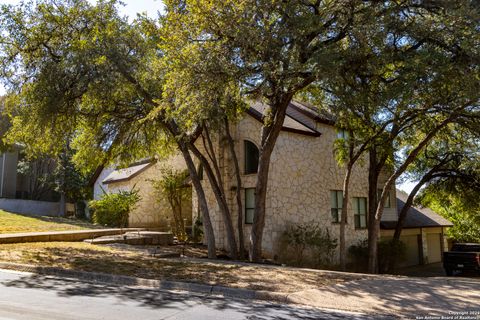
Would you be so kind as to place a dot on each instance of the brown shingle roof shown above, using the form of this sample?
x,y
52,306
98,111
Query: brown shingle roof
x,y
297,120
128,173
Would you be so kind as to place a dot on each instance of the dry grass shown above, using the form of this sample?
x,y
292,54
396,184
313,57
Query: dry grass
x,y
87,257
17,223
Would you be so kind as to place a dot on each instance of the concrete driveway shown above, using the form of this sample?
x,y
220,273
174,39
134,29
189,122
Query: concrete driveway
x,y
409,297
432,270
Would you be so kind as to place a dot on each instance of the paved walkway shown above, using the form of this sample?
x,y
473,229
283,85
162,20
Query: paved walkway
x,y
70,235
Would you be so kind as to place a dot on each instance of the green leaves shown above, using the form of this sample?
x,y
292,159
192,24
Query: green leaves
x,y
113,208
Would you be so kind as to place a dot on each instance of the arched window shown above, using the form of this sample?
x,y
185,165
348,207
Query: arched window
x,y
251,157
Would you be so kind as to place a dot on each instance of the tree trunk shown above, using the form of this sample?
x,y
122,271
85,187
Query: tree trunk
x,y
408,204
63,204
270,132
372,200
238,193
343,218
221,200
202,201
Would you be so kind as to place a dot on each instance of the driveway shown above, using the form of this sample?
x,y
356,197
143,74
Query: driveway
x,y
409,297
429,270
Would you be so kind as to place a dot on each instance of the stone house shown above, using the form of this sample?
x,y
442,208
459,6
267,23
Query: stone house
x,y
305,184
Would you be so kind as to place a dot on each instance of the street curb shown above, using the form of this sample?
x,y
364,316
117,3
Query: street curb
x,y
152,283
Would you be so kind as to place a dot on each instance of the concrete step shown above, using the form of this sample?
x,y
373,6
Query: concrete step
x,y
136,238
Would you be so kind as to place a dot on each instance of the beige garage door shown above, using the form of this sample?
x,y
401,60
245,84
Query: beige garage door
x,y
411,243
434,248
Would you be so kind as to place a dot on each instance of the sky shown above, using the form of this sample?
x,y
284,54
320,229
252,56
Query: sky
x,y
151,7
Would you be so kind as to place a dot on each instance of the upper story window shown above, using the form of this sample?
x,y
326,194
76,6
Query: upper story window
x,y
388,200
251,157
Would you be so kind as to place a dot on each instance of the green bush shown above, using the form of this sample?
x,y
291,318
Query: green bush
x,y
390,254
113,208
307,245
358,254
197,230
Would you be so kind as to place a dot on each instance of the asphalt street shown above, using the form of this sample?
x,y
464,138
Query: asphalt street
x,y
38,297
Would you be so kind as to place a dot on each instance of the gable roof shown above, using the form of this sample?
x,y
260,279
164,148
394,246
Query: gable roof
x,y
128,173
417,217
300,118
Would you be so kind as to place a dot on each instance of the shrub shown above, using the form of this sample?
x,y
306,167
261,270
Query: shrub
x,y
358,254
197,230
172,189
390,254
113,208
307,245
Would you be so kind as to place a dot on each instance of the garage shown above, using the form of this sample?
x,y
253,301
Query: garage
x,y
422,233
434,248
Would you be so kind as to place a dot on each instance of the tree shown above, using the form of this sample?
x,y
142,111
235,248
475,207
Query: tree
x,y
397,89
273,49
451,159
459,203
82,71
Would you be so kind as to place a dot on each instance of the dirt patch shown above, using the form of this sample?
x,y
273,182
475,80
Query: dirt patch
x,y
132,262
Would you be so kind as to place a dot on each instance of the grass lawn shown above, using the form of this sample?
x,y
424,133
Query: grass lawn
x,y
15,223
88,257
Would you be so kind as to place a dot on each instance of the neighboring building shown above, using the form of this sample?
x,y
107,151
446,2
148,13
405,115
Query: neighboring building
x,y
29,180
151,211
305,183
27,186
8,174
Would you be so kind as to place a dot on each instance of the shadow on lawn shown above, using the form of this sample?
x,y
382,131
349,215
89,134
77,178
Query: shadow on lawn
x,y
71,221
158,299
207,272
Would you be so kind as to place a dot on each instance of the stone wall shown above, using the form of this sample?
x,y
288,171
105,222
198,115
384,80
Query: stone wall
x,y
33,207
303,172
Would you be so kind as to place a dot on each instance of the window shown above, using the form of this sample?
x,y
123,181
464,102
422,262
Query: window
x,y
336,200
342,134
388,203
251,157
360,212
249,205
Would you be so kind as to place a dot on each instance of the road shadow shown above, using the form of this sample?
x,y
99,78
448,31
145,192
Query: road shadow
x,y
156,299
